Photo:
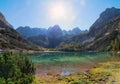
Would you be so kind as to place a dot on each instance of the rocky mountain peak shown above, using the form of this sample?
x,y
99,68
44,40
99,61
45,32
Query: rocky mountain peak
x,y
54,31
110,13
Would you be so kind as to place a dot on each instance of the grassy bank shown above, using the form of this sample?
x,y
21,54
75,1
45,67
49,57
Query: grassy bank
x,y
103,73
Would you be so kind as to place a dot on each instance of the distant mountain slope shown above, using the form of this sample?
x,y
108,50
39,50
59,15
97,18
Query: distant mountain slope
x,y
40,40
55,36
29,32
74,31
50,40
9,38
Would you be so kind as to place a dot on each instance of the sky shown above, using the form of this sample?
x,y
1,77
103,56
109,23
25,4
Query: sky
x,y
68,14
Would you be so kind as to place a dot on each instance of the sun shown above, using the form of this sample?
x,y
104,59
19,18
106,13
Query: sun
x,y
60,12
57,11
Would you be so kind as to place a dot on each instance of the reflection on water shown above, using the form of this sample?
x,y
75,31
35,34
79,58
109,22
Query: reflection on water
x,y
66,63
67,71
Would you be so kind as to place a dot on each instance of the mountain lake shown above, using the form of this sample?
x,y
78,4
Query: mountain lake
x,y
65,63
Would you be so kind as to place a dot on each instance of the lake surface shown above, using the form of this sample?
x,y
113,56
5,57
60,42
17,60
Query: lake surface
x,y
65,63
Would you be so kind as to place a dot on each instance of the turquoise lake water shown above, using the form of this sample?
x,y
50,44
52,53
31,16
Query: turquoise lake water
x,y
66,62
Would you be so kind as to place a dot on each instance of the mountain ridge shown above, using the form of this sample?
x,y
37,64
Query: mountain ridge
x,y
29,32
49,38
104,18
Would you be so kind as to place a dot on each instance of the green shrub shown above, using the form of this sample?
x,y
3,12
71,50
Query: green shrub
x,y
16,69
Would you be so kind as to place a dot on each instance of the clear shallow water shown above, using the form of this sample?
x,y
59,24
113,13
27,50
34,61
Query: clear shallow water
x,y
65,63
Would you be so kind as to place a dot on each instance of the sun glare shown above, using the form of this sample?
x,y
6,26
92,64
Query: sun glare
x,y
57,11
60,13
